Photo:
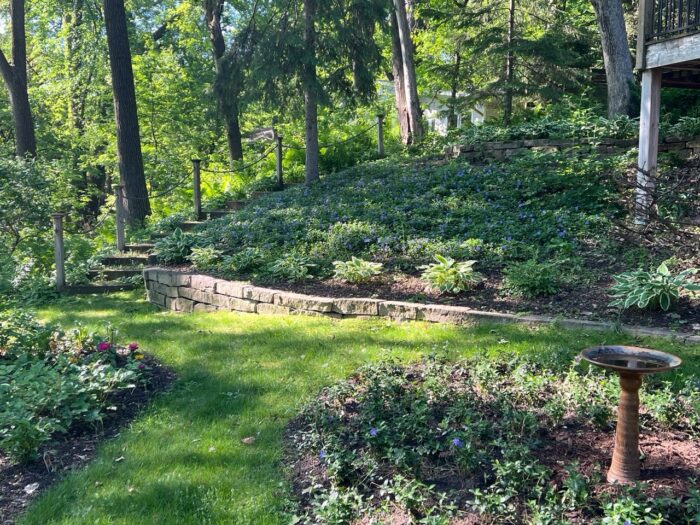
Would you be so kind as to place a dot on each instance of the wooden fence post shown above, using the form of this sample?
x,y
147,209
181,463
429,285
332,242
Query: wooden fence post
x,y
119,213
197,186
59,252
380,135
280,179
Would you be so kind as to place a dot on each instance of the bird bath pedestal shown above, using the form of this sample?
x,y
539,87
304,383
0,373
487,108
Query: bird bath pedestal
x,y
631,363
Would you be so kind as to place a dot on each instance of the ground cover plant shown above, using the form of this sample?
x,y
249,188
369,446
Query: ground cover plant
x,y
51,379
546,232
190,458
500,440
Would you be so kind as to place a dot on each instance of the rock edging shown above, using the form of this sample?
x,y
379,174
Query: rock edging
x,y
190,292
684,147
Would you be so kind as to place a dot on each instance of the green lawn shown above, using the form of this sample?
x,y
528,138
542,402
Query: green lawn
x,y
244,375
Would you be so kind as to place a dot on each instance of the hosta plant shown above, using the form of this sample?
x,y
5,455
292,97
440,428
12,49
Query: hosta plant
x,y
292,267
204,258
356,270
449,276
651,289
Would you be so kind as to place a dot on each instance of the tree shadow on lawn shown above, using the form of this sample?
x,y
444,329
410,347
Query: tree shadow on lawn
x,y
244,376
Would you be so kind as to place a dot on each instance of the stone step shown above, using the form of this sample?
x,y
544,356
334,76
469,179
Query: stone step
x,y
114,273
99,288
236,205
126,260
216,214
143,247
187,226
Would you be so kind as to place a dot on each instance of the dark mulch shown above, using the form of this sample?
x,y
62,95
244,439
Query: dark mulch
x,y
670,463
589,302
21,483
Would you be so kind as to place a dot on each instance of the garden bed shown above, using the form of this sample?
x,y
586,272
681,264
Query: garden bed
x,y
22,482
548,233
490,442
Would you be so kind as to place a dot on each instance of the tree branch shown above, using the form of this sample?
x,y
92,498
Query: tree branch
x,y
6,69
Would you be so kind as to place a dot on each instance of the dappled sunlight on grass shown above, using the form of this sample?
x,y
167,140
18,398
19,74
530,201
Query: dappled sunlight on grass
x,y
239,376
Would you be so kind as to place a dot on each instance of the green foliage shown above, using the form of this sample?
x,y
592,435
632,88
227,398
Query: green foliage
x,y
384,434
205,258
356,270
175,248
532,278
51,379
659,288
449,276
292,267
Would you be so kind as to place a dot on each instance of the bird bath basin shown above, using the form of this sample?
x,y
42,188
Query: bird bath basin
x,y
631,363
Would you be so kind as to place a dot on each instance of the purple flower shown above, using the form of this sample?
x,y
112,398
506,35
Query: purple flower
x,y
373,432
322,454
562,233
104,346
457,443
627,522
141,366
133,347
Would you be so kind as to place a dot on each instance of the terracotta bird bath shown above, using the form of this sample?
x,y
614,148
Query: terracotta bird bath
x,y
631,363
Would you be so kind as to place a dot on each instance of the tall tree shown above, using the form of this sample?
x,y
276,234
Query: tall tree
x,y
131,171
409,73
616,55
15,77
399,82
228,102
510,66
309,80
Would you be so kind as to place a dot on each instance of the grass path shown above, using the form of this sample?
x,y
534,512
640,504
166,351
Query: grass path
x,y
243,375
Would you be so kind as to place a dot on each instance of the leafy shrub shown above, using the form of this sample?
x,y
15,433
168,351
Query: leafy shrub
x,y
449,276
657,288
245,261
356,270
204,258
292,267
532,278
175,248
51,379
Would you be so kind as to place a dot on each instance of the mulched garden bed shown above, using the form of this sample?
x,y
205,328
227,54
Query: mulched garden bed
x,y
338,424
21,483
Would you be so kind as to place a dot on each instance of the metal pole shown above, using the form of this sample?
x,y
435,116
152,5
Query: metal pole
x,y
380,135
59,252
197,186
280,179
119,211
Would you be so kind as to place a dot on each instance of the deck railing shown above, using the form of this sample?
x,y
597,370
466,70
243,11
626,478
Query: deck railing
x,y
664,19
673,18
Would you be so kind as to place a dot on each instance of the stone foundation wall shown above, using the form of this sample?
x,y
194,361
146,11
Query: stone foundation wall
x,y
190,292
500,150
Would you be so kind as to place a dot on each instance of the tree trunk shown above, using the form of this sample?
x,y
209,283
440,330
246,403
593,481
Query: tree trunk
x,y
510,64
409,68
137,205
213,11
616,55
15,77
452,116
310,82
399,82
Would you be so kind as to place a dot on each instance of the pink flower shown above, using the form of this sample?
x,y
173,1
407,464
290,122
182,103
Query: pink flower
x,y
133,347
104,346
141,366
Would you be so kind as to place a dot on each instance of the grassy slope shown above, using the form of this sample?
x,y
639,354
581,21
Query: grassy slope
x,y
242,375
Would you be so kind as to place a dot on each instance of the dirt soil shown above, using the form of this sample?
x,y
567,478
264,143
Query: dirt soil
x,y
589,303
21,483
670,463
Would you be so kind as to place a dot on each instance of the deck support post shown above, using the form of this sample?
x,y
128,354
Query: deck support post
x,y
648,145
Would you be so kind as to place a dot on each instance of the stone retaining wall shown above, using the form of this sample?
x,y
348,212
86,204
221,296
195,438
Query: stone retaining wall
x,y
500,150
189,292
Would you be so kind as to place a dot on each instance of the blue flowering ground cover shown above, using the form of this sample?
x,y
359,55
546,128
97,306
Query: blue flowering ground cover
x,y
547,232
507,440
